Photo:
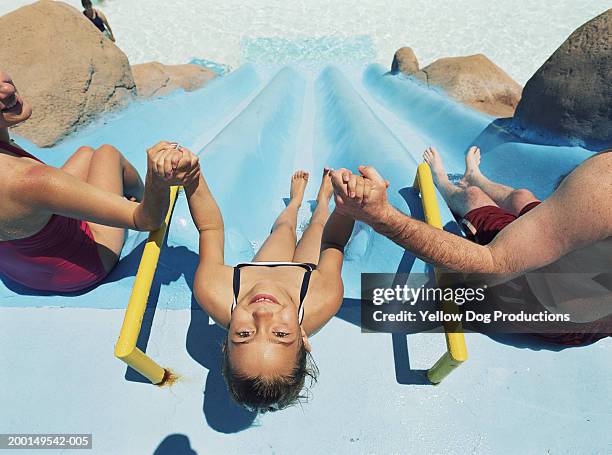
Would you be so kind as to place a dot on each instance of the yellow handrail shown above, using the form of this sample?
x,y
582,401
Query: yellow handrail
x,y
126,349
456,350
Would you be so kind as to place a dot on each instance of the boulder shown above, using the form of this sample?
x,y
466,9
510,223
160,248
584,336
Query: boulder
x,y
154,79
404,61
474,81
67,70
569,99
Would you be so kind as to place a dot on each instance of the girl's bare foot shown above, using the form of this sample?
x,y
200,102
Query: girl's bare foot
x,y
298,185
326,190
433,158
472,164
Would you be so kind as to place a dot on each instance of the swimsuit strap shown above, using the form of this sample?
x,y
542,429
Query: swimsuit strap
x,y
17,150
303,290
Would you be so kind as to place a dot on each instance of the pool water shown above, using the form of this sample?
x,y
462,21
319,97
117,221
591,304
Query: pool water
x,y
516,35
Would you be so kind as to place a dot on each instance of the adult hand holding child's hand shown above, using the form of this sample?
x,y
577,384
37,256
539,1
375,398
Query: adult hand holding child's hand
x,y
171,164
362,197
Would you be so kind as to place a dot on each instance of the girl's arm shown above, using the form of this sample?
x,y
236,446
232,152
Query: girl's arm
x,y
329,290
213,279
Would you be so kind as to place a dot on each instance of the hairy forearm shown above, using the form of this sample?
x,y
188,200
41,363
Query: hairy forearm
x,y
203,207
150,213
337,232
436,246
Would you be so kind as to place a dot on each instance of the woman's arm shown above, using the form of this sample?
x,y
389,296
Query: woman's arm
x,y
213,279
50,190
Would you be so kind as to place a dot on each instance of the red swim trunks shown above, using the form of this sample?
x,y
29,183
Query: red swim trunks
x,y
481,225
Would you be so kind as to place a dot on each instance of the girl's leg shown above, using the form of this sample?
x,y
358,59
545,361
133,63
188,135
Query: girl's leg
x,y
309,246
280,244
109,170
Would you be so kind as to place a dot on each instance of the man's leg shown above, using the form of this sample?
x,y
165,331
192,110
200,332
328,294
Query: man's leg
x,y
461,200
280,244
504,196
309,246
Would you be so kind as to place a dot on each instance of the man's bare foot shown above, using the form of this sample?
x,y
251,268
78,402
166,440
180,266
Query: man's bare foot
x,y
298,185
472,165
326,190
433,158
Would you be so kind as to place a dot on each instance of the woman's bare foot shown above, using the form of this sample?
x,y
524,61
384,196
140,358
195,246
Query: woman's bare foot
x,y
433,158
472,165
298,185
326,190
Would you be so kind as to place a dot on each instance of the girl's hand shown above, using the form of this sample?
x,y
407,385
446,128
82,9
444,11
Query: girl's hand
x,y
187,171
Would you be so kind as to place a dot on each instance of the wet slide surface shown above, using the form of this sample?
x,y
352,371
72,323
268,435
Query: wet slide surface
x,y
252,129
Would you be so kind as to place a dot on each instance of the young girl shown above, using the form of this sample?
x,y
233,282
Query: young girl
x,y
272,305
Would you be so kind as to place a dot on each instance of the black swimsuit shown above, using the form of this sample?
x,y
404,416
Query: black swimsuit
x,y
97,21
303,290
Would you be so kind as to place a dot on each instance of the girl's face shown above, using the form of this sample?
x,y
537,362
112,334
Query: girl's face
x,y
264,333
13,108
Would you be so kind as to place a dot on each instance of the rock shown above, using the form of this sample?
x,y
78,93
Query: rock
x,y
475,81
154,79
67,70
569,99
404,61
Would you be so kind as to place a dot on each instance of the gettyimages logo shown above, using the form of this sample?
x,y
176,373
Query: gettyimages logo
x,y
412,303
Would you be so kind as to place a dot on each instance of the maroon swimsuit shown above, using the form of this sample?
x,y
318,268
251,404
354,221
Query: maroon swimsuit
x,y
62,257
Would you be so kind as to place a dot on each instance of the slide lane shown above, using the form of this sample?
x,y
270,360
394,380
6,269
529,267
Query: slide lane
x,y
249,163
348,133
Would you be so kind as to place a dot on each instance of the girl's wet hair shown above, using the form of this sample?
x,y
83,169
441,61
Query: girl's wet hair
x,y
86,3
264,394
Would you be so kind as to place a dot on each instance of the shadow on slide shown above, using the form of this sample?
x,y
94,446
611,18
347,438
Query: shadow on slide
x,y
203,343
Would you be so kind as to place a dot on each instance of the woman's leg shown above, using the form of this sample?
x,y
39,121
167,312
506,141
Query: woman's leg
x,y
78,163
309,246
280,244
109,170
